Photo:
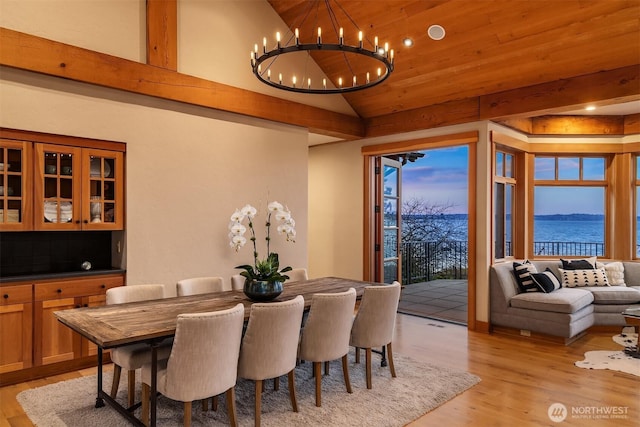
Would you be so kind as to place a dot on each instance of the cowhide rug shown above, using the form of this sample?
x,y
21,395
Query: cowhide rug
x,y
614,360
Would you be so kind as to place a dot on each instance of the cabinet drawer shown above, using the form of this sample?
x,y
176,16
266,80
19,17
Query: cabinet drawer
x,y
17,294
76,287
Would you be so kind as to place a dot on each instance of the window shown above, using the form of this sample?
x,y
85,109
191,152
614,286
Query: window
x,y
569,206
505,183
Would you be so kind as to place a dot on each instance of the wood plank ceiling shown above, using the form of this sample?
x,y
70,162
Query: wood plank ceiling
x,y
490,46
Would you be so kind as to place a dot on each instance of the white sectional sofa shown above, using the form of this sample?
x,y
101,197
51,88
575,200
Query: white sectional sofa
x,y
565,312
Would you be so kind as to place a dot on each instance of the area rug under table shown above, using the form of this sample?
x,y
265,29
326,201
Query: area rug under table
x,y
417,389
616,360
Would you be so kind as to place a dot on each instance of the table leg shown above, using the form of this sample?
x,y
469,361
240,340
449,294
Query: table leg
x,y
154,379
99,400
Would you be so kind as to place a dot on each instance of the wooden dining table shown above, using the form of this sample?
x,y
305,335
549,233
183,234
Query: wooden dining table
x,y
154,321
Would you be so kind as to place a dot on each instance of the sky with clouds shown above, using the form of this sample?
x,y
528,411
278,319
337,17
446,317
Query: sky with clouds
x,y
441,177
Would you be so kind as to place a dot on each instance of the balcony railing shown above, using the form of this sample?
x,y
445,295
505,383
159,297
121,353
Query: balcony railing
x,y
426,261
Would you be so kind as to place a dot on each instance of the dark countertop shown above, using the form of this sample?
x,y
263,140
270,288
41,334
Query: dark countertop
x,y
62,275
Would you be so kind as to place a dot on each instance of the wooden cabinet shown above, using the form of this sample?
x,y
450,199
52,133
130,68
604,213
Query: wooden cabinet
x,y
78,188
16,326
54,342
15,185
31,337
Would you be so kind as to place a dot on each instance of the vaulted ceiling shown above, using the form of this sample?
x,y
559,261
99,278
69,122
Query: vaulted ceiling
x,y
490,46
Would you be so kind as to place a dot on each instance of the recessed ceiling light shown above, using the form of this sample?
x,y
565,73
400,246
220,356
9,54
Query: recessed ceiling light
x,y
408,42
436,32
590,108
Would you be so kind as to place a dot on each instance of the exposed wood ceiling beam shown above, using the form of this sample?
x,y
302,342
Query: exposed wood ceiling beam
x,y
162,34
32,53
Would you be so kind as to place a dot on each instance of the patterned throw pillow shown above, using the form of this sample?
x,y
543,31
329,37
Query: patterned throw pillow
x,y
546,281
589,277
523,273
579,264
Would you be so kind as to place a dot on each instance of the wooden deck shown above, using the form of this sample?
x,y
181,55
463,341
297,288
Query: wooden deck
x,y
441,299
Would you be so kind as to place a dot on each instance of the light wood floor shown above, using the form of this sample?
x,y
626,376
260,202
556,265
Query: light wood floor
x,y
520,378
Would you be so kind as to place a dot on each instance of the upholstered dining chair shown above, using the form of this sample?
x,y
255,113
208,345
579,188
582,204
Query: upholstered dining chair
x,y
297,275
237,282
199,285
132,357
325,336
374,323
203,361
270,345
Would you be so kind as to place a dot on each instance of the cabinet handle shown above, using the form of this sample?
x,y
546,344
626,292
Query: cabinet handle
x,y
5,296
86,221
59,291
86,305
103,286
78,306
77,221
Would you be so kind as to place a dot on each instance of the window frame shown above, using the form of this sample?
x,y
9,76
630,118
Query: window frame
x,y
605,183
500,178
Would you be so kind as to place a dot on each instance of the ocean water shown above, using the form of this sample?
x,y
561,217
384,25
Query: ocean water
x,y
561,228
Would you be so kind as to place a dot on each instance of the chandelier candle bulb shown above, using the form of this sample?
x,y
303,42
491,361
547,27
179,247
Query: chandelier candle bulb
x,y
341,38
294,81
340,81
360,39
354,80
264,44
297,33
391,55
319,35
280,78
368,80
269,75
375,43
379,72
386,49
324,83
309,83
278,39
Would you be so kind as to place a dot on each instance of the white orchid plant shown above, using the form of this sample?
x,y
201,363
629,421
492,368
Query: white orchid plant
x,y
266,269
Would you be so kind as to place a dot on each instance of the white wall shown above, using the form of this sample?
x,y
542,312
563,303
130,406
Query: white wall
x,y
187,170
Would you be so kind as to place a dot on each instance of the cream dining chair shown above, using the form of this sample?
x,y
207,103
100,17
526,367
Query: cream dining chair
x,y
203,361
297,275
325,336
375,322
132,357
199,285
270,345
237,282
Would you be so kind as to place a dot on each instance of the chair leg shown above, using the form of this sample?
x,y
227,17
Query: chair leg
x,y
214,403
317,370
131,389
390,356
357,354
146,392
326,368
116,380
205,404
345,372
276,383
187,414
231,405
258,410
368,367
292,390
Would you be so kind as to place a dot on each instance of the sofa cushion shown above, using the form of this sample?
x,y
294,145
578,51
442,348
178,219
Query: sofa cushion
x,y
577,278
563,300
615,273
614,294
579,264
546,281
523,272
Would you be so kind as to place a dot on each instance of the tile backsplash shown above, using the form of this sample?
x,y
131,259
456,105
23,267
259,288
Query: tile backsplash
x,y
53,252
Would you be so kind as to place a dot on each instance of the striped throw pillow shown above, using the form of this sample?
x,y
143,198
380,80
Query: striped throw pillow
x,y
523,273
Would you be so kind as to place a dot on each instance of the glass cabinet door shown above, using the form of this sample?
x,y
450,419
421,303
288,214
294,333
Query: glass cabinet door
x,y
102,189
15,185
57,187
